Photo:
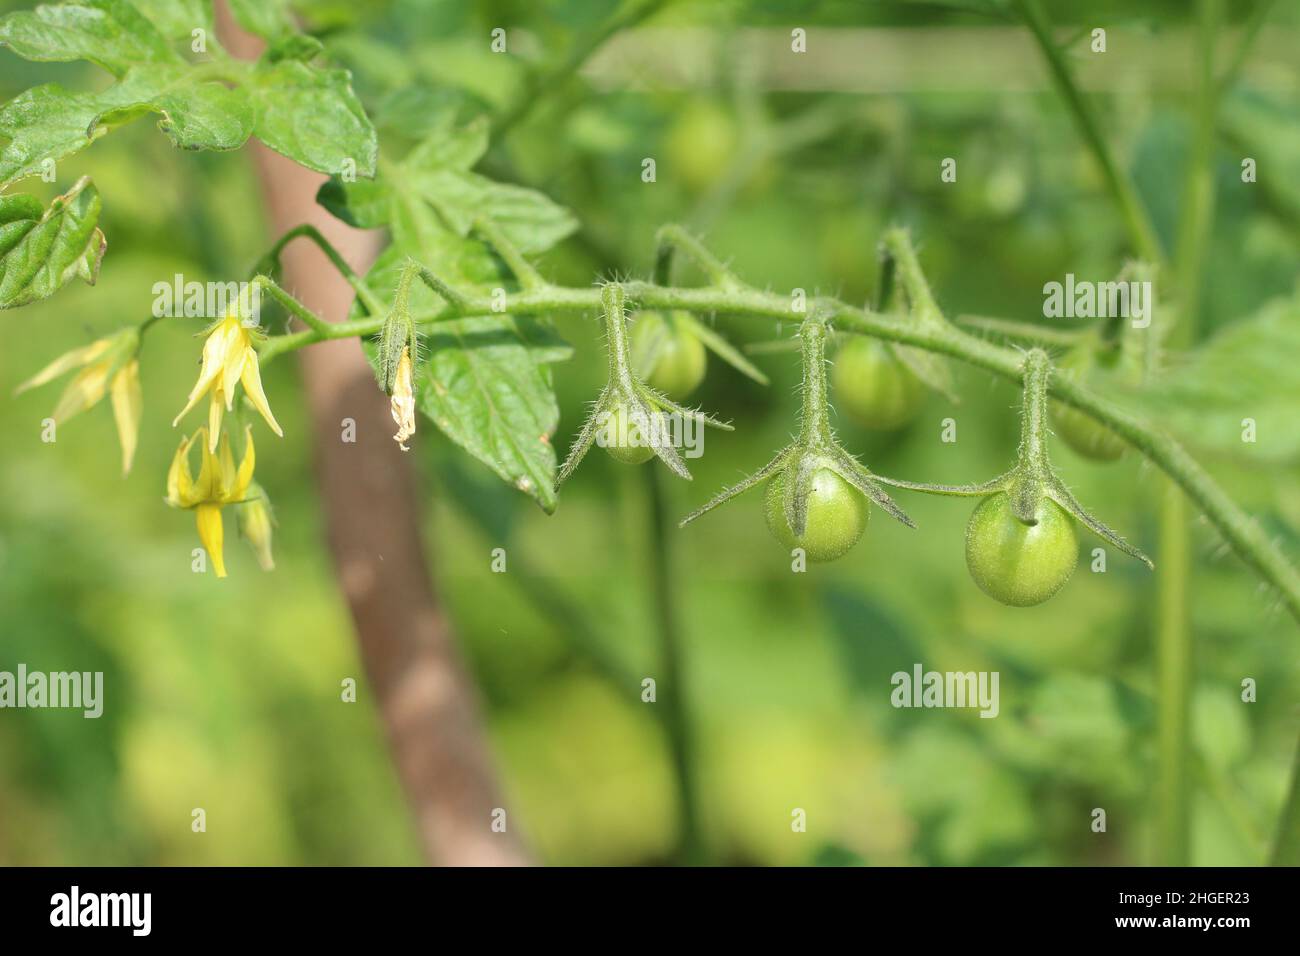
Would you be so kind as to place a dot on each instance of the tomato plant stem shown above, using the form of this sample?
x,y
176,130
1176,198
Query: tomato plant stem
x,y
1136,219
1286,845
672,687
1173,683
1239,529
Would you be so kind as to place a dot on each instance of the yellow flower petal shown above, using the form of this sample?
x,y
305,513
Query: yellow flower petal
x,y
225,470
128,404
216,409
211,533
205,489
216,351
65,363
85,390
245,476
180,482
252,379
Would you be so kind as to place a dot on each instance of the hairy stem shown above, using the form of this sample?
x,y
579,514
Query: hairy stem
x,y
672,687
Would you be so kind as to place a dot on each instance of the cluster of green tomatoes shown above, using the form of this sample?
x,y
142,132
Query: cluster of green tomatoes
x,y
1021,545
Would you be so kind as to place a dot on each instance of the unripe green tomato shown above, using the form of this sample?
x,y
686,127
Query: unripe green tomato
x,y
873,386
1089,438
837,516
679,358
621,436
701,144
1015,563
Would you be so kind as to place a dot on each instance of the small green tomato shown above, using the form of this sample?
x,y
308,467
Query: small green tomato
x,y
1015,563
837,516
873,386
1089,438
667,354
621,436
1085,436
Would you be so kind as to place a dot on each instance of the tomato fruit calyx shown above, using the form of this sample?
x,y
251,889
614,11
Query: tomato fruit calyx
x,y
835,513
1031,495
630,420
818,494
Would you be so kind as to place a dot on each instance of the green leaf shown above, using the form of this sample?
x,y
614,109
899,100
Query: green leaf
x,y
269,19
178,19
41,249
432,190
483,381
110,33
309,114
313,117
1246,371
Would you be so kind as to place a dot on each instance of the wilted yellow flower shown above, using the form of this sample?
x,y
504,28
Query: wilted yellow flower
x,y
228,358
107,365
255,523
402,403
219,484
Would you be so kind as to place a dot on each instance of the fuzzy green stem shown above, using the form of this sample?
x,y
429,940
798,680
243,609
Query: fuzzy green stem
x,y
529,277
1173,683
672,238
672,687
1239,529
291,304
373,304
814,419
612,302
1033,414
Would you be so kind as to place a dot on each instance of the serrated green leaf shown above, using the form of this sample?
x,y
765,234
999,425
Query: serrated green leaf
x,y
433,191
110,33
313,117
309,114
41,249
1246,371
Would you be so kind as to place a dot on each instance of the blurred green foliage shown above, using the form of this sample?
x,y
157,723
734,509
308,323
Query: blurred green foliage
x,y
225,694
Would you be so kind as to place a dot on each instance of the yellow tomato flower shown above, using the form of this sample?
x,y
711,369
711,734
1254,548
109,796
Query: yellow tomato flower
x,y
107,365
402,403
255,523
229,358
219,483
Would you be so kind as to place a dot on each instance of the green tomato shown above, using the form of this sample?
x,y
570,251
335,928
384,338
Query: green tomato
x,y
667,354
837,516
701,144
1015,563
621,436
1087,437
873,386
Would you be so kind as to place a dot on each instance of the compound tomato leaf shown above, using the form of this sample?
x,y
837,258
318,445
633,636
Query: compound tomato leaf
x,y
313,117
42,249
309,114
110,33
